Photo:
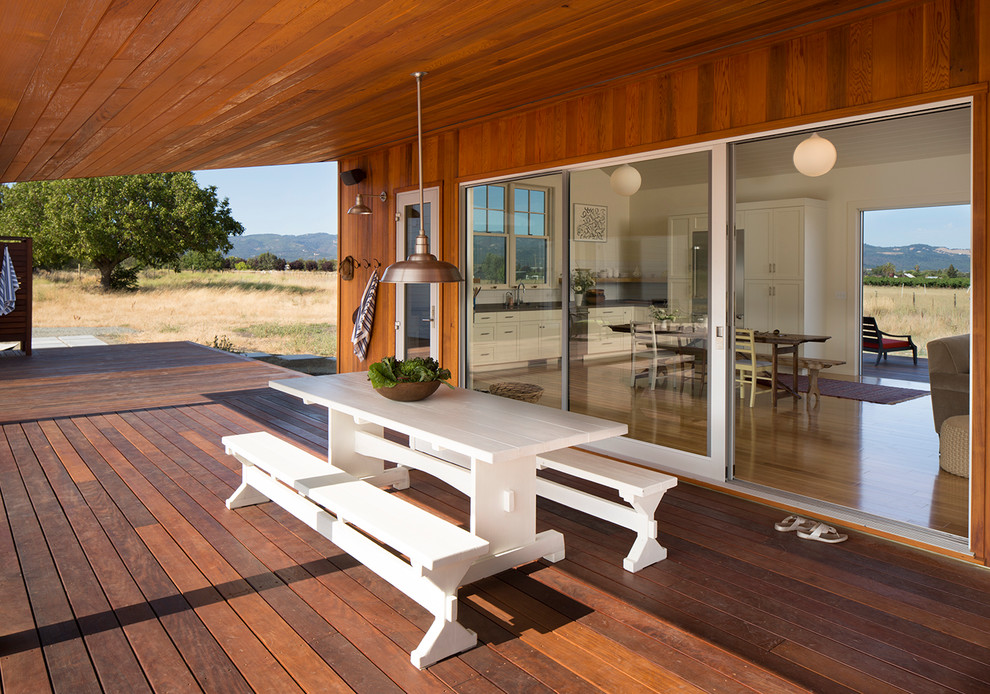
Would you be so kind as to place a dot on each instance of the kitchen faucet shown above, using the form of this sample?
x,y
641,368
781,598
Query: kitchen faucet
x,y
520,293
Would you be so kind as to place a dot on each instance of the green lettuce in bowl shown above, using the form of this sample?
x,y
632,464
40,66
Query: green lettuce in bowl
x,y
399,380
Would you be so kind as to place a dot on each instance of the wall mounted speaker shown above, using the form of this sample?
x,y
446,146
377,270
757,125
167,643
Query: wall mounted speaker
x,y
349,178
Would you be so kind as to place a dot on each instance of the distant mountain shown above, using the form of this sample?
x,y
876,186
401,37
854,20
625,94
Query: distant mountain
x,y
304,246
926,257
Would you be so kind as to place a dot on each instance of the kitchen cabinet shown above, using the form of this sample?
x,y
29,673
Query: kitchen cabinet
x,y
499,338
539,335
782,244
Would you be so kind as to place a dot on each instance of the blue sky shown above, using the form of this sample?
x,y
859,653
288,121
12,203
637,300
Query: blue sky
x,y
293,199
947,226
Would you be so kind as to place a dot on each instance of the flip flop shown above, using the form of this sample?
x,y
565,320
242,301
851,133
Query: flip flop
x,y
822,533
794,523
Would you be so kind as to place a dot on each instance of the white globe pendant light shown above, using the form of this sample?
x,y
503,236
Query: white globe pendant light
x,y
815,156
625,180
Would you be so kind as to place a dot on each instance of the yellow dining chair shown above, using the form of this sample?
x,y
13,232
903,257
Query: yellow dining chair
x,y
749,367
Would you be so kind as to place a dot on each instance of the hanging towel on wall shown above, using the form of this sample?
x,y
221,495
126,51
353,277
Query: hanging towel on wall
x,y
8,283
365,318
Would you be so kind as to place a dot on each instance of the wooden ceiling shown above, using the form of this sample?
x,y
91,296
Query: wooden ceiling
x,y
101,87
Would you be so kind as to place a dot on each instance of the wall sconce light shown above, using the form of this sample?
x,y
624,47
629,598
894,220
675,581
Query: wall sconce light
x,y
625,180
815,156
360,208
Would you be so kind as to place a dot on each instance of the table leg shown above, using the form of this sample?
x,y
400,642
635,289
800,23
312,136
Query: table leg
x,y
773,375
503,511
341,451
794,375
813,386
503,502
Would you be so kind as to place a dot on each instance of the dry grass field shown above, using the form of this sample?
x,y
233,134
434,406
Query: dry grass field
x,y
925,314
274,312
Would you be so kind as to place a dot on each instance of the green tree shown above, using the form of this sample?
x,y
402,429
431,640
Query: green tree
x,y
149,219
885,270
268,261
952,272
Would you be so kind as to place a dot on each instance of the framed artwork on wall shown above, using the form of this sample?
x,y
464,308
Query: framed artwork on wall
x,y
590,222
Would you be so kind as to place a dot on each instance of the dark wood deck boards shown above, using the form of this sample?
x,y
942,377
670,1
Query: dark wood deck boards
x,y
123,571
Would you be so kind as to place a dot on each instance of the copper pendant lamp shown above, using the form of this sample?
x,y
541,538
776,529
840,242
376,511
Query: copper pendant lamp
x,y
422,266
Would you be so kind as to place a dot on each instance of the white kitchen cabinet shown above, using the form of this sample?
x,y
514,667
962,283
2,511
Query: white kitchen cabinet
x,y
539,335
783,260
506,337
601,338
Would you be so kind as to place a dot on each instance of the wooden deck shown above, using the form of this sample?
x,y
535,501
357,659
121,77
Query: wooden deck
x,y
123,571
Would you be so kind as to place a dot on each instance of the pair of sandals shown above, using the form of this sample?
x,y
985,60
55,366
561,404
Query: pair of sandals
x,y
808,529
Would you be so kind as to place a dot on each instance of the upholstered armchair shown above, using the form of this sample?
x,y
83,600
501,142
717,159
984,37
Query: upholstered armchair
x,y
948,374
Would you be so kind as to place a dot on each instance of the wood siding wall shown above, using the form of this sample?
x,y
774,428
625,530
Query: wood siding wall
x,y
906,53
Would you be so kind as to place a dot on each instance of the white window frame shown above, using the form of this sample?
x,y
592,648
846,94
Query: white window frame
x,y
508,212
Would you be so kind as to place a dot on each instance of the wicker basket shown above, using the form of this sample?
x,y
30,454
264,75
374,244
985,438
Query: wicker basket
x,y
953,445
527,392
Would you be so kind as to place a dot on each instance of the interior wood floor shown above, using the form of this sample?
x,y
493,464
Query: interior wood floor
x,y
878,459
123,571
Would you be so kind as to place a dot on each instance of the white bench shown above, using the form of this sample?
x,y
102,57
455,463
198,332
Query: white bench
x,y
311,489
640,487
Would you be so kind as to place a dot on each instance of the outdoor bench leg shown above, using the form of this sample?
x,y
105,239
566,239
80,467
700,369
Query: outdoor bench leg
x,y
645,550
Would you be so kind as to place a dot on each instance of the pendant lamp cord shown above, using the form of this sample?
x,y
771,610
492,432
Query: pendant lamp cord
x,y
419,142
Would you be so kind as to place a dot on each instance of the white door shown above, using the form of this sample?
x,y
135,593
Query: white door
x,y
416,305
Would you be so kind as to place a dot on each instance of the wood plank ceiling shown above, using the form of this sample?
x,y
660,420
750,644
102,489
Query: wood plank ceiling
x,y
101,87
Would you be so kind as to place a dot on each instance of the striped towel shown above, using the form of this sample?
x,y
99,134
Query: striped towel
x,y
365,318
8,284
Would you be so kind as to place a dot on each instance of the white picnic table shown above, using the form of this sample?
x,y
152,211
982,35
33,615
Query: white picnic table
x,y
492,441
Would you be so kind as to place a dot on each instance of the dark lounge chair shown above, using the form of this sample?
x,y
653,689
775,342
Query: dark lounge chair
x,y
876,340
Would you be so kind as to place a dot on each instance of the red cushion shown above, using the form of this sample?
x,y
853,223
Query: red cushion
x,y
894,344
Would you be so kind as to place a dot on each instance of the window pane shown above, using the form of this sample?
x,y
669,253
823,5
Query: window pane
x,y
489,259
496,197
531,261
480,196
480,217
496,222
522,200
536,225
520,224
537,201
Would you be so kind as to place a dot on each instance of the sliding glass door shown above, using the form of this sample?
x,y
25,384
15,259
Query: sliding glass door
x,y
603,300
871,440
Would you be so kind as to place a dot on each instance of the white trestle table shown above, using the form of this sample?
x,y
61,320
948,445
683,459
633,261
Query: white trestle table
x,y
483,445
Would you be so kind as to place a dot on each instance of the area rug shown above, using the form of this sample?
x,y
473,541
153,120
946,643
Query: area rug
x,y
851,390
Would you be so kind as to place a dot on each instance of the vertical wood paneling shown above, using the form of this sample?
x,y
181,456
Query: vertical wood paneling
x,y
684,94
936,46
795,78
776,79
664,117
964,48
706,98
910,51
884,53
815,98
860,64
837,68
723,88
